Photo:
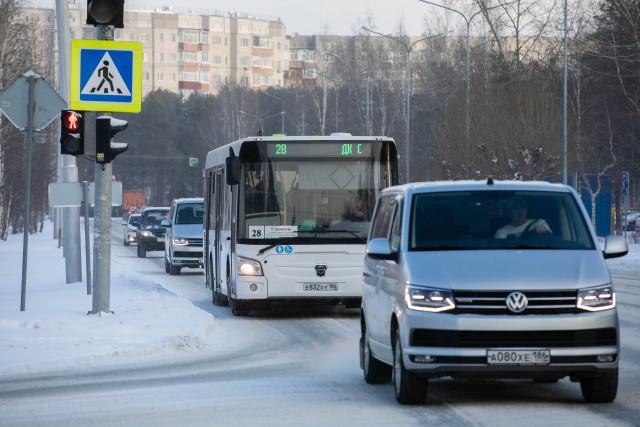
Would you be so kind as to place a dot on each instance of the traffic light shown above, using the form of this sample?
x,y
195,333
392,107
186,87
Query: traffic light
x,y
71,133
106,128
105,12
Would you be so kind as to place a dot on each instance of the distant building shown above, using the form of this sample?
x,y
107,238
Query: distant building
x,y
183,52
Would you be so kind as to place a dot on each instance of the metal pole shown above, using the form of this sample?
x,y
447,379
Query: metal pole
x,y
407,117
467,120
27,191
69,169
368,110
102,221
282,122
87,241
564,100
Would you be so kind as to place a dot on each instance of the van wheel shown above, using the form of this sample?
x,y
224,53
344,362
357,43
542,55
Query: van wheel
x,y
600,389
409,388
375,371
173,270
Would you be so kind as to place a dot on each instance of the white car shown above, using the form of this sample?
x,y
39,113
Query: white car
x,y
131,228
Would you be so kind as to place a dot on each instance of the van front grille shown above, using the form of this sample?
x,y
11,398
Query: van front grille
x,y
494,302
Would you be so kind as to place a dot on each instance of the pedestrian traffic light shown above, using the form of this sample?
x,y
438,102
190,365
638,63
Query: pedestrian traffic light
x,y
105,12
71,133
106,128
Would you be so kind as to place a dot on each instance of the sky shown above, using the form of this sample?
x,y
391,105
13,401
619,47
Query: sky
x,y
150,321
340,17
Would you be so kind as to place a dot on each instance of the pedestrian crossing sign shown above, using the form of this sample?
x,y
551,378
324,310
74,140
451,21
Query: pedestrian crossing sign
x,y
106,76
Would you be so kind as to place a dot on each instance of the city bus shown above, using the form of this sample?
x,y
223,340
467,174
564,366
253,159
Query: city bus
x,y
286,217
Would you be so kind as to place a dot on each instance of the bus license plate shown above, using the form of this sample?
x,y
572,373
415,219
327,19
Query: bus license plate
x,y
320,286
518,357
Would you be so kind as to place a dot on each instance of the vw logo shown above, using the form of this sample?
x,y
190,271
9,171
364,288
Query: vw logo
x,y
517,302
321,269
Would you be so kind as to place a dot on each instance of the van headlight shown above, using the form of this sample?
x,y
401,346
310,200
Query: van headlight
x,y
248,267
597,299
180,241
428,299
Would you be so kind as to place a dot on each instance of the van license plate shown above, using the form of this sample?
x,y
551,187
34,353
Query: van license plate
x,y
518,357
320,286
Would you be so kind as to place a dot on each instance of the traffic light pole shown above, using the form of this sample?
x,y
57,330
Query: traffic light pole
x,y
102,221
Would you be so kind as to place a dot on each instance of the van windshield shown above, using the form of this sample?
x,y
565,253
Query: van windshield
x,y
471,220
189,213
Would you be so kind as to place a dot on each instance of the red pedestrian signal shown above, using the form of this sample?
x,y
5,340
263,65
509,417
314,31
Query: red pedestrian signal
x,y
71,133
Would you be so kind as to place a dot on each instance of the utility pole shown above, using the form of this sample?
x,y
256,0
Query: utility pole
x,y
67,168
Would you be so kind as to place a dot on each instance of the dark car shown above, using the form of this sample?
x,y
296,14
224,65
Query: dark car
x,y
151,233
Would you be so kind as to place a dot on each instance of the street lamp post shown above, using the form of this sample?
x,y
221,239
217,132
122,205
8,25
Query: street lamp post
x,y
468,62
367,102
407,89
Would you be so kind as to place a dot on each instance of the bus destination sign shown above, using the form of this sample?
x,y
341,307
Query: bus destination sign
x,y
319,149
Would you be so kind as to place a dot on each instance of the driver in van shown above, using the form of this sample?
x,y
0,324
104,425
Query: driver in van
x,y
520,221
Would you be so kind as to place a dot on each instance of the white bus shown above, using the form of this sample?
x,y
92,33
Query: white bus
x,y
287,217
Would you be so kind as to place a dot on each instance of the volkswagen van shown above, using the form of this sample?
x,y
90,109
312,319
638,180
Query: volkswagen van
x,y
488,279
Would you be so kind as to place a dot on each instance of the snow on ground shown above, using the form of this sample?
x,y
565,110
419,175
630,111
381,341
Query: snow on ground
x,y
55,331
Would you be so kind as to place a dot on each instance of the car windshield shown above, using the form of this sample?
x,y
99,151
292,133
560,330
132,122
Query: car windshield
x,y
152,218
497,220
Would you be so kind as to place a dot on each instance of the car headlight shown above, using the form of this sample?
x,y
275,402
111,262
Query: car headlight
x,y
180,241
146,233
249,267
597,299
428,299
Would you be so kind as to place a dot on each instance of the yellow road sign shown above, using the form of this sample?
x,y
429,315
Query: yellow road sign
x,y
106,76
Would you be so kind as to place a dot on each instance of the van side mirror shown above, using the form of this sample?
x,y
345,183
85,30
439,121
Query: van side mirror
x,y
165,223
232,170
614,247
379,248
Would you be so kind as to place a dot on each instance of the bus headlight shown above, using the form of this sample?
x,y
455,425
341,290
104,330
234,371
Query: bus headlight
x,y
248,267
597,299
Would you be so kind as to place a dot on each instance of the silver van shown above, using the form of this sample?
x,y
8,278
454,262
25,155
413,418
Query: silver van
x,y
183,243
488,279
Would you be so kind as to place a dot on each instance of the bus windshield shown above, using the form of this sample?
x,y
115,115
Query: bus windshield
x,y
308,200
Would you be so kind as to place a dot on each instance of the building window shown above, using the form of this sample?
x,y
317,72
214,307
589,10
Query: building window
x,y
172,38
244,42
216,40
160,57
217,60
145,57
160,37
159,77
144,37
145,76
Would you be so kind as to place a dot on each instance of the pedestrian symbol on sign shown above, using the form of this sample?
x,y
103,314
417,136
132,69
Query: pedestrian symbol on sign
x,y
106,79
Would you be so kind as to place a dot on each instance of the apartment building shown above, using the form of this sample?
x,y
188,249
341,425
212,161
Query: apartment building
x,y
187,51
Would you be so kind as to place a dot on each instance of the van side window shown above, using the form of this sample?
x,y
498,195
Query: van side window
x,y
383,217
396,228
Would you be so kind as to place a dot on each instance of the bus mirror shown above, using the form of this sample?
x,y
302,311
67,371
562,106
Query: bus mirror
x,y
232,170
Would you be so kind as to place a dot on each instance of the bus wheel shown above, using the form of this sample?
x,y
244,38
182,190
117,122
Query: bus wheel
x,y
237,308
